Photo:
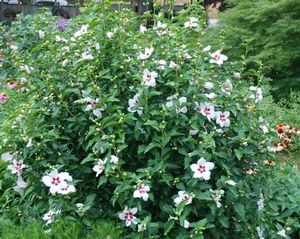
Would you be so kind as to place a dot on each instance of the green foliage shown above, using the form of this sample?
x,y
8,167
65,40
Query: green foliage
x,y
61,230
87,98
265,31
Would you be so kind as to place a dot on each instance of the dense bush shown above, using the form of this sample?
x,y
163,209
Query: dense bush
x,y
105,119
265,31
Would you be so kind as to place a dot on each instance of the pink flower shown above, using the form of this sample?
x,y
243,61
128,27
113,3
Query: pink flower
x,y
202,169
182,197
149,78
142,192
3,97
11,85
222,118
128,216
16,167
218,58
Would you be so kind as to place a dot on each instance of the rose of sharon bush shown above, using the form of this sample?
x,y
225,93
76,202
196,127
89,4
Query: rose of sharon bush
x,y
142,127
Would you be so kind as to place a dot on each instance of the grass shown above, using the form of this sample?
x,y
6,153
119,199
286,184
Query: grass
x,y
61,230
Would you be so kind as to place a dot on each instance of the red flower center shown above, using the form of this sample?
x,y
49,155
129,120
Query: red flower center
x,y
128,216
201,168
55,181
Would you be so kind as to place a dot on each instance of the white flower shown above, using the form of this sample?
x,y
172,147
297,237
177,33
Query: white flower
x,y
128,216
143,29
183,197
257,94
8,157
227,86
147,54
282,233
79,205
93,105
202,169
56,181
41,34
260,233
211,96
193,131
179,109
149,78
206,109
114,159
23,80
207,49
218,58
21,184
48,217
83,30
230,182
27,69
109,34
29,143
87,56
222,118
186,224
99,167
237,75
161,25
208,85
173,65
142,192
161,64
260,202
133,103
216,196
192,23
16,166
186,55
97,46
67,189
65,62
141,227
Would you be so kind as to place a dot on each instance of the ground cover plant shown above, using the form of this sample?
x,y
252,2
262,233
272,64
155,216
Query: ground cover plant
x,y
104,118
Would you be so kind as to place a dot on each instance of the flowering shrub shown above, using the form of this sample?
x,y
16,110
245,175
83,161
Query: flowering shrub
x,y
150,127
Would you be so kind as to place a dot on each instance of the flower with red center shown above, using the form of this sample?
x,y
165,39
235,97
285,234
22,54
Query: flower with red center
x,y
222,118
133,105
16,166
142,192
128,216
11,84
48,217
205,109
269,162
67,189
3,97
218,58
56,181
149,78
99,167
183,197
147,54
202,169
